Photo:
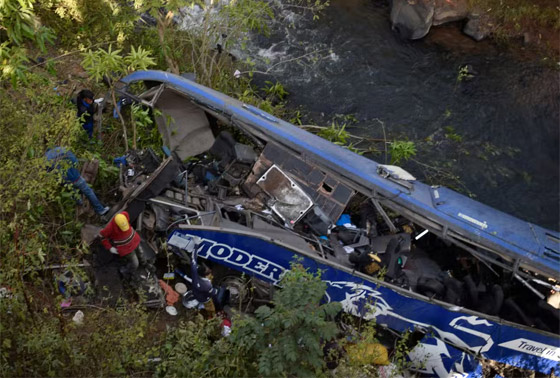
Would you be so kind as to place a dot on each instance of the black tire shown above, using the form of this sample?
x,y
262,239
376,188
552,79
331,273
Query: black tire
x,y
240,295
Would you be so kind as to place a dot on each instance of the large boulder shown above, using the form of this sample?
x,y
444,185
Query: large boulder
x,y
449,11
412,19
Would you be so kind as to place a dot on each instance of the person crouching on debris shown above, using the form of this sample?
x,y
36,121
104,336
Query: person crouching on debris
x,y
202,287
65,163
86,109
121,239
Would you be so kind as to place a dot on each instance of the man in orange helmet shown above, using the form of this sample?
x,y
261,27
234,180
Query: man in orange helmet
x,y
121,239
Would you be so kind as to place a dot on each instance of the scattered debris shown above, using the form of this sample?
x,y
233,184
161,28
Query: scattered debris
x,y
171,296
78,317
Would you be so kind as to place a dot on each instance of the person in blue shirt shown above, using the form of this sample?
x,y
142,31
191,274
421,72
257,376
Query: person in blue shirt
x,y
86,108
65,163
203,290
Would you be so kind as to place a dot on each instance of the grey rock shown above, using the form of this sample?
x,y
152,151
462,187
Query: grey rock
x,y
449,11
412,19
478,27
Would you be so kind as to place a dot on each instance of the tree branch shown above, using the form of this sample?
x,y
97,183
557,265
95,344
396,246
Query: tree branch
x,y
284,62
120,118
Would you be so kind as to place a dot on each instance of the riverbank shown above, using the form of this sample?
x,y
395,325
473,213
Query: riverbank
x,y
534,23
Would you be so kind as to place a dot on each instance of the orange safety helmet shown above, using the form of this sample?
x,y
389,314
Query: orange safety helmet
x,y
122,222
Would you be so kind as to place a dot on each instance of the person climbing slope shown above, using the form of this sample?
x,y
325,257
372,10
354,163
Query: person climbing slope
x,y
86,109
65,163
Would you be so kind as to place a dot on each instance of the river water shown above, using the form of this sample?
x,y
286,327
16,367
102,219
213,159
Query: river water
x,y
494,136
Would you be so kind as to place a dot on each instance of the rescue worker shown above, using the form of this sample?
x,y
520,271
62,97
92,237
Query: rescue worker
x,y
121,239
86,109
203,290
65,163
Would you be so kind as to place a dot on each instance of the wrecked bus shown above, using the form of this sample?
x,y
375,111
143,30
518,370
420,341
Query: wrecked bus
x,y
252,192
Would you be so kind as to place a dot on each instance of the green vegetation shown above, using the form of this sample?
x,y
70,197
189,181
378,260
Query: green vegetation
x,y
48,344
101,64
283,340
521,13
287,338
275,90
401,150
18,26
464,73
313,6
401,351
361,336
335,133
451,134
536,21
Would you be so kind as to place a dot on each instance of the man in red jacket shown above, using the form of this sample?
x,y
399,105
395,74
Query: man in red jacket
x,y
120,238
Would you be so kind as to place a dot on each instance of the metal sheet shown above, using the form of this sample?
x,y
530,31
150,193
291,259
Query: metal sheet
x,y
290,201
328,193
184,126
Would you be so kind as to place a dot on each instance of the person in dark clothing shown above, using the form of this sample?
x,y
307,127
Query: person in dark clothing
x,y
203,290
65,162
86,109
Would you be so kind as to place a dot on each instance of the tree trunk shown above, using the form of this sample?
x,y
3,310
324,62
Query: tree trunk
x,y
133,130
162,25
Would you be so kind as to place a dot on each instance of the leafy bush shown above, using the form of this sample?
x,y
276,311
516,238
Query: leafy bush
x,y
194,348
287,338
275,90
284,340
38,227
401,150
48,344
335,133
35,212
19,24
79,23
